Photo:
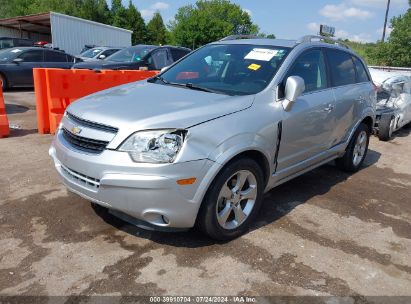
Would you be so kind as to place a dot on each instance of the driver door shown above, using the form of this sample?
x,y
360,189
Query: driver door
x,y
307,127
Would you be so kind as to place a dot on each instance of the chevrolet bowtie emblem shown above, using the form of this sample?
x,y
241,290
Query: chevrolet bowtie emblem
x,y
75,130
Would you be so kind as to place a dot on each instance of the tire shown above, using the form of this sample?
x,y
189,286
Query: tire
x,y
220,216
385,128
3,82
356,150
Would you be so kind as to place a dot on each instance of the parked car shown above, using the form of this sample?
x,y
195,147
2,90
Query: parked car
x,y
87,47
202,141
98,53
8,42
16,64
393,102
147,57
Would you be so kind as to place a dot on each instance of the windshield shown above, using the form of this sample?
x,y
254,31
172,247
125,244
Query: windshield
x,y
132,54
91,53
9,54
233,69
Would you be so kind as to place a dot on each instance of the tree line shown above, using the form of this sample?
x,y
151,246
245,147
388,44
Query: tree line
x,y
197,24
396,51
193,26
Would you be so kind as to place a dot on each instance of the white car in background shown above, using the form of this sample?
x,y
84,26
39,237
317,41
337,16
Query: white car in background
x,y
393,101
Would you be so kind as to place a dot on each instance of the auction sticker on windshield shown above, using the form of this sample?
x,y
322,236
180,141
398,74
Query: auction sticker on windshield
x,y
261,54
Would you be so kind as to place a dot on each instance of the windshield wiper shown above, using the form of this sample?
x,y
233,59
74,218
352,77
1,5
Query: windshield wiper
x,y
198,88
186,85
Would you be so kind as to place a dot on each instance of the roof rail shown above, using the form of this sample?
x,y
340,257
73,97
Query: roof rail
x,y
310,38
238,37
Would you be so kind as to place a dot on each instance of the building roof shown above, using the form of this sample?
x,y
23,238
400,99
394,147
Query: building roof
x,y
38,23
41,24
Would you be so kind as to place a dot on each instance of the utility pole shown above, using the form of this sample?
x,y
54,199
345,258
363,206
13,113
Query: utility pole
x,y
385,22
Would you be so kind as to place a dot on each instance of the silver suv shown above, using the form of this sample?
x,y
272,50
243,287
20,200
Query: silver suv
x,y
200,143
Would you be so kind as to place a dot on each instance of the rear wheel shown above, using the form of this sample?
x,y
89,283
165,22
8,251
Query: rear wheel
x,y
3,82
385,127
356,150
232,201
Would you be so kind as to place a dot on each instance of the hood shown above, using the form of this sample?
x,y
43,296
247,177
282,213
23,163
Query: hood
x,y
104,64
143,105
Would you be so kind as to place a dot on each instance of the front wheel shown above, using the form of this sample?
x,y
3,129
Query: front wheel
x,y
232,201
356,150
385,127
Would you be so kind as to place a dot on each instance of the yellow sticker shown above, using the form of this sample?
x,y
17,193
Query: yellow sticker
x,y
254,66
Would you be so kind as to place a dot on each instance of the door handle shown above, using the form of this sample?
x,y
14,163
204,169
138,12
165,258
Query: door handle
x,y
329,108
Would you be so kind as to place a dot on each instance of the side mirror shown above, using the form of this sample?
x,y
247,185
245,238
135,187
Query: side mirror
x,y
17,60
164,69
294,87
102,57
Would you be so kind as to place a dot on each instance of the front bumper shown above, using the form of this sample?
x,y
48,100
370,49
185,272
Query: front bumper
x,y
148,192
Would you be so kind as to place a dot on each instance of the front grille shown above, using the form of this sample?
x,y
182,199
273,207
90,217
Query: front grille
x,y
90,124
84,143
84,179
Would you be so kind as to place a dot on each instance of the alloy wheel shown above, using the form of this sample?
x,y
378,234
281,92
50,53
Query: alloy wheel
x,y
236,199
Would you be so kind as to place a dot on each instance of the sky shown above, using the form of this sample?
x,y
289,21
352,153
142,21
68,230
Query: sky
x,y
357,20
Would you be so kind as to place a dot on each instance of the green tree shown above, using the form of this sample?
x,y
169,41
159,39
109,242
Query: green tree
x,y
136,24
156,30
206,21
119,15
397,51
95,10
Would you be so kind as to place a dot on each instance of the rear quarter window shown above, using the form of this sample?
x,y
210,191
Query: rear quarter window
x,y
341,68
362,75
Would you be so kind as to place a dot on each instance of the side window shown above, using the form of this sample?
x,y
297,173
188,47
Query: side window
x,y
362,75
108,52
178,53
311,67
160,59
32,56
55,57
341,67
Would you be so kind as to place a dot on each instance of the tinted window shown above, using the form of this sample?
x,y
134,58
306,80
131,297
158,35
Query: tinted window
x,y
131,54
159,59
6,43
362,75
108,52
178,53
32,56
341,67
55,57
311,67
24,42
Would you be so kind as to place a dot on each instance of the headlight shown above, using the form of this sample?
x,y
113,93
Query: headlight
x,y
158,146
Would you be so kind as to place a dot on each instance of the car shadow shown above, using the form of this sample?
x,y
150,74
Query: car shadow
x,y
277,203
15,109
21,132
403,132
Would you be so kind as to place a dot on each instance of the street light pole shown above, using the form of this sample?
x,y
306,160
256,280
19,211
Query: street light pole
x,y
385,22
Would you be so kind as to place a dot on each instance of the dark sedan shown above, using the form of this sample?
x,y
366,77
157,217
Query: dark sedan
x,y
139,57
16,64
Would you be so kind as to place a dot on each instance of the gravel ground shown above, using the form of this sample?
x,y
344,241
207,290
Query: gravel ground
x,y
324,233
